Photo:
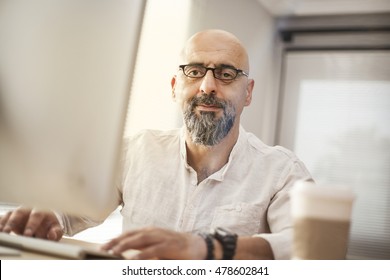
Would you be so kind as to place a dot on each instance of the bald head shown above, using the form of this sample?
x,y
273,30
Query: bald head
x,y
215,44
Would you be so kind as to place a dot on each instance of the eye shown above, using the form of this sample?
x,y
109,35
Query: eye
x,y
226,73
194,71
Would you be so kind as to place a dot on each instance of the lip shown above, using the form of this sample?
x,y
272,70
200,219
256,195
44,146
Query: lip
x,y
208,108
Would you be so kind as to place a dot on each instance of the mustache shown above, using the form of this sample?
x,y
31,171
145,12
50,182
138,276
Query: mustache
x,y
209,100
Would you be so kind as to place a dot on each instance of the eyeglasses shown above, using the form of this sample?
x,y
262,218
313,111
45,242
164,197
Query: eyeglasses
x,y
224,73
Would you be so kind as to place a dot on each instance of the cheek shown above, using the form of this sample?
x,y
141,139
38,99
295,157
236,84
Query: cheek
x,y
238,98
238,102
181,99
183,93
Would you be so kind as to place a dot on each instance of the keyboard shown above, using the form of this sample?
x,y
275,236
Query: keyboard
x,y
60,249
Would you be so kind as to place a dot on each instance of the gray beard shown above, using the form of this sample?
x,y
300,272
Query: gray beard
x,y
207,129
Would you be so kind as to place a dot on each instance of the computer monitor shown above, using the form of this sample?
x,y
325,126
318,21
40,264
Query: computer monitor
x,y
66,69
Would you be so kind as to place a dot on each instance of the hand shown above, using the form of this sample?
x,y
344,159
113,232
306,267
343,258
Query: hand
x,y
32,222
157,243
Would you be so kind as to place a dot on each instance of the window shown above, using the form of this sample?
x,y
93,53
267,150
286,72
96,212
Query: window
x,y
335,114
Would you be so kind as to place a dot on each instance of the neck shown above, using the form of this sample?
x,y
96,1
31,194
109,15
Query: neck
x,y
206,160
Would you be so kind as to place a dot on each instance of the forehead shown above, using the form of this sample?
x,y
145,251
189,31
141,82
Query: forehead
x,y
215,50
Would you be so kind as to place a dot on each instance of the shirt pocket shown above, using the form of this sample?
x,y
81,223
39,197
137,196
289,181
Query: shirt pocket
x,y
240,218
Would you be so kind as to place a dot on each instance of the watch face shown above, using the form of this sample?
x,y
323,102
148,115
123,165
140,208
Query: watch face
x,y
223,232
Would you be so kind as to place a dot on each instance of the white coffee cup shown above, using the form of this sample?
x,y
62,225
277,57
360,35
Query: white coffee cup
x,y
321,218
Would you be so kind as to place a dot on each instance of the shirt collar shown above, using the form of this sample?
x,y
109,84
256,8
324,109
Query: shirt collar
x,y
219,175
183,148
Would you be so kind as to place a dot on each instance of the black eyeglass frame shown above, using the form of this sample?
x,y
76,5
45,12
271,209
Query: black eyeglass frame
x,y
237,70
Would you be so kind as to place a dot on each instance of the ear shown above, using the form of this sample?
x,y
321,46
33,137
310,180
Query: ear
x,y
173,85
249,90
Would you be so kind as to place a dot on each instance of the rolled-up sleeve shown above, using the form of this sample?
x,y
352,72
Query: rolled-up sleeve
x,y
279,217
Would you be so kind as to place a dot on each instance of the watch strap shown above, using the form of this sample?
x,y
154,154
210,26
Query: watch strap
x,y
208,238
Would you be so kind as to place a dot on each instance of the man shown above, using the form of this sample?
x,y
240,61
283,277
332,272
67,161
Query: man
x,y
179,185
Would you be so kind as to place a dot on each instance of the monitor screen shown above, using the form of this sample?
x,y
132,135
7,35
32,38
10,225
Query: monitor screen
x,y
66,69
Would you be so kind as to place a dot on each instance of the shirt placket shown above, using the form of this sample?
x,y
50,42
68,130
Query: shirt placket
x,y
191,208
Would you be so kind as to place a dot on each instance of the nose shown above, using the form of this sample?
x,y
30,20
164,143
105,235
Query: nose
x,y
208,85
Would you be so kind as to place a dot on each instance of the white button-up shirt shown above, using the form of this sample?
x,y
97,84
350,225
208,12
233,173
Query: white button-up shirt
x,y
249,195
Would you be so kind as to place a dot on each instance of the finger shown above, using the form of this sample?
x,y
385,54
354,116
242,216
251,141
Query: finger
x,y
109,245
4,219
139,239
34,224
173,246
161,250
152,252
49,227
55,233
115,241
136,241
17,221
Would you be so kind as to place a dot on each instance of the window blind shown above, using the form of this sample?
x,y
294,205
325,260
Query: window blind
x,y
335,114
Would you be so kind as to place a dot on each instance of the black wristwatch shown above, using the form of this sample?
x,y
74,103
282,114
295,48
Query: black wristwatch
x,y
228,241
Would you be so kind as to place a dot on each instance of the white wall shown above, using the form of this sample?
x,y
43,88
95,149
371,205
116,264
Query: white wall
x,y
163,35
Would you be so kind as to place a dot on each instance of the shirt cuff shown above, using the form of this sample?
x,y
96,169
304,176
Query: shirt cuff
x,y
60,221
281,243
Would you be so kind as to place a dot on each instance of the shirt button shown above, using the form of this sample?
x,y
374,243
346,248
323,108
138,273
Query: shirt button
x,y
238,208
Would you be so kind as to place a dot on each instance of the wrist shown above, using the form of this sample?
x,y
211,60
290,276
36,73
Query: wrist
x,y
218,250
